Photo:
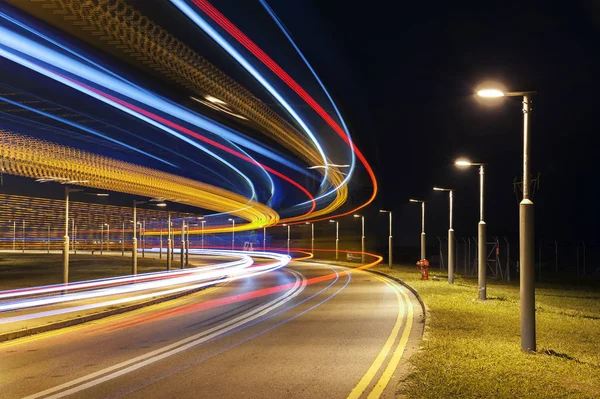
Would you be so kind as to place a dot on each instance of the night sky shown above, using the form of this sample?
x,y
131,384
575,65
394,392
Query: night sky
x,y
403,74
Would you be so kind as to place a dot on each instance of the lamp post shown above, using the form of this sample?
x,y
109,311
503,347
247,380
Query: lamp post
x,y
203,223
481,231
422,225
14,235
337,238
288,237
312,238
389,238
143,237
23,241
123,238
264,238
101,236
48,242
107,236
362,238
169,242
451,243
232,234
526,228
182,245
66,237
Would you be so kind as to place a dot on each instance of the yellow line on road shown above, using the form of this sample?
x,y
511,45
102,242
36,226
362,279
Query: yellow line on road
x,y
389,370
376,365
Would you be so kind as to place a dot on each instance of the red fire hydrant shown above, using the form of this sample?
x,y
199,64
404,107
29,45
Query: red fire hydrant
x,y
423,264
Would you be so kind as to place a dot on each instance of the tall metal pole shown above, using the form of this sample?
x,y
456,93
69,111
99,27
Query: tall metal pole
x,y
107,237
14,235
101,237
451,242
73,231
66,240
182,245
288,239
423,230
481,241
187,244
337,239
23,246
203,222
232,234
143,237
312,239
527,245
75,239
160,245
362,240
48,242
123,239
264,238
169,243
390,243
134,241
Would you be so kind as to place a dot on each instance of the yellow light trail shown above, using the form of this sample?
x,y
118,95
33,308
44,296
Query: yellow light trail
x,y
34,158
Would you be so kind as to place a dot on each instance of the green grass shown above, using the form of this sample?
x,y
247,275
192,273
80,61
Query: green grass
x,y
29,270
471,348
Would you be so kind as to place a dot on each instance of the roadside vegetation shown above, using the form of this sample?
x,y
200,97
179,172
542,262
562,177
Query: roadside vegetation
x,y
471,348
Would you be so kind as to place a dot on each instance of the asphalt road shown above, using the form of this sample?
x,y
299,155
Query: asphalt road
x,y
309,330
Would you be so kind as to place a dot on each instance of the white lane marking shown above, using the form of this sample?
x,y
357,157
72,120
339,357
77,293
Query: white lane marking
x,y
172,349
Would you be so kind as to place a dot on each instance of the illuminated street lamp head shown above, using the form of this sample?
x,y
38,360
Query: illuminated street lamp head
x,y
442,189
415,200
307,223
285,224
332,221
231,220
357,216
463,163
162,204
383,211
102,194
490,93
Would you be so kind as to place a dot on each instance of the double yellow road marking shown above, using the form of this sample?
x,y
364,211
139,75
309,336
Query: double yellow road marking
x,y
385,350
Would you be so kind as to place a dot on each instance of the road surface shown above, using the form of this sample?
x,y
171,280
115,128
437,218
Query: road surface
x,y
310,330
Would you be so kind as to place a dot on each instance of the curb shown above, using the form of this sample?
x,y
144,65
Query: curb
x,y
96,316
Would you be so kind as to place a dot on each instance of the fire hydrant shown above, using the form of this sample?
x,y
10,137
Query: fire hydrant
x,y
423,264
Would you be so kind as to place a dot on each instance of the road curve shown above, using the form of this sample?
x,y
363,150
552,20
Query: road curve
x,y
310,330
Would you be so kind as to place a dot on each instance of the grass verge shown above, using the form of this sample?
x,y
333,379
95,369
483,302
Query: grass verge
x,y
471,348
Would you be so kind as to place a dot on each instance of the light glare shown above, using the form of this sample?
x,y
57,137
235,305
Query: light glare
x,y
490,93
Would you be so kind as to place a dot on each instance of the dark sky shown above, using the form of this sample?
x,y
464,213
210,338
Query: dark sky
x,y
403,74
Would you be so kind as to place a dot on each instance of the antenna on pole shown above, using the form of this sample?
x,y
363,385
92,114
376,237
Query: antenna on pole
x,y
534,186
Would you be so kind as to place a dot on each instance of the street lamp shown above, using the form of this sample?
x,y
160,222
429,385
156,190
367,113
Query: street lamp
x,y
107,236
362,238
264,238
288,237
203,223
14,234
66,237
422,226
337,238
389,238
481,231
526,228
312,238
451,243
232,234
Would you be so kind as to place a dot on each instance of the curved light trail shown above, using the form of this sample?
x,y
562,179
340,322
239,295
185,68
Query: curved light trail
x,y
220,19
